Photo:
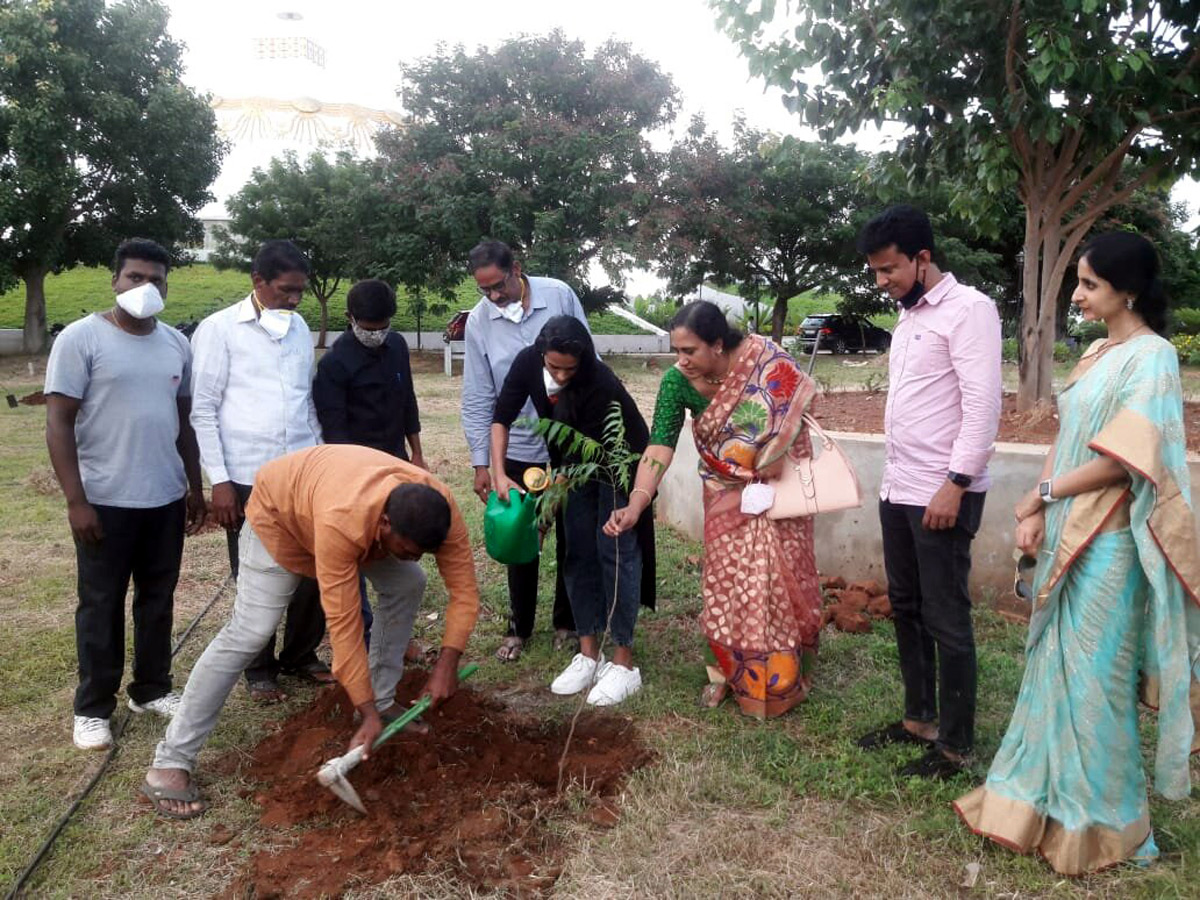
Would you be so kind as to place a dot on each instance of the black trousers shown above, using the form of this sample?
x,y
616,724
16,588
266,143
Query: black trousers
x,y
523,579
927,574
304,626
147,546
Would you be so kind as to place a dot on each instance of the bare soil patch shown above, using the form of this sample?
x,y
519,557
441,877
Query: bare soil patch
x,y
472,800
862,411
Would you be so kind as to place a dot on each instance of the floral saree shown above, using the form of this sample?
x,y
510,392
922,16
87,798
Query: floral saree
x,y
762,600
1116,614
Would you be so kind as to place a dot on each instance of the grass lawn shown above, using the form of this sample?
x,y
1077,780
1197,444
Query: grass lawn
x,y
729,808
199,290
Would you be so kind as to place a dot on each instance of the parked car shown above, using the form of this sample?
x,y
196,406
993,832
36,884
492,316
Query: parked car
x,y
842,334
456,328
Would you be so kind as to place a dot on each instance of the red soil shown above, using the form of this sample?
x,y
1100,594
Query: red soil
x,y
861,411
470,800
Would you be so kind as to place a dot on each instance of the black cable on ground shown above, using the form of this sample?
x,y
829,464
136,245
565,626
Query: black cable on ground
x,y
48,844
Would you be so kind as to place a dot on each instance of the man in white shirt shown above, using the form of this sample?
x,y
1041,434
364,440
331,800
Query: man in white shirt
x,y
252,403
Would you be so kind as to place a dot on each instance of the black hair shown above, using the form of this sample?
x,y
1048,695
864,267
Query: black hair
x,y
371,300
903,225
490,253
419,513
140,248
706,321
566,334
1129,262
274,258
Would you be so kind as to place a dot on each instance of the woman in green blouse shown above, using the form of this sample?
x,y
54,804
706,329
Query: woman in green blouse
x,y
762,600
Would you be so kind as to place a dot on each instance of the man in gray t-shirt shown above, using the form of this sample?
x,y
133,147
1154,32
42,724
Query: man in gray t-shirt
x,y
118,395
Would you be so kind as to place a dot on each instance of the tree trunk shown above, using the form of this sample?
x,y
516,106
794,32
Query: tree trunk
x,y
418,314
779,319
1030,336
34,338
324,304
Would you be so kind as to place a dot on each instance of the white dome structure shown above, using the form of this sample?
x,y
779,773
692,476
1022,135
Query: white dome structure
x,y
285,109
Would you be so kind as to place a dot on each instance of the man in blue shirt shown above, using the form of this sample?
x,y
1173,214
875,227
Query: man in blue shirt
x,y
507,319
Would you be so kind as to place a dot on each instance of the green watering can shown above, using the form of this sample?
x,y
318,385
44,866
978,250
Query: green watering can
x,y
510,529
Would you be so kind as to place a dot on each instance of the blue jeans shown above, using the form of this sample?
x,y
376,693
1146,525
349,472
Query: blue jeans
x,y
592,564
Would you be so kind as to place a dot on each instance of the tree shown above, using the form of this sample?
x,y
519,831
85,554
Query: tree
x,y
99,139
777,216
537,143
316,204
1045,97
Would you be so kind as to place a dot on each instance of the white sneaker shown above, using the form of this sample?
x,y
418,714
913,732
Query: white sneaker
x,y
166,705
92,733
577,676
614,685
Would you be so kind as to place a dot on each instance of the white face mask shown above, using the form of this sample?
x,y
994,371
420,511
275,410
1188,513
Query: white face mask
x,y
513,311
141,302
552,386
275,322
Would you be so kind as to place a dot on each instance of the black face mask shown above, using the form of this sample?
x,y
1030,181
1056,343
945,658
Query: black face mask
x,y
915,293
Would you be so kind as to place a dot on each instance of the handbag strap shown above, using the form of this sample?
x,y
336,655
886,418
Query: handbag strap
x,y
813,425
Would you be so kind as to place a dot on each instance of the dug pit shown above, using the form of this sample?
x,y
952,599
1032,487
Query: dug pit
x,y
471,800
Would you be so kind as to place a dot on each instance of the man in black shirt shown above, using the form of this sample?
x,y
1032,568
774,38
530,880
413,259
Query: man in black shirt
x,y
363,390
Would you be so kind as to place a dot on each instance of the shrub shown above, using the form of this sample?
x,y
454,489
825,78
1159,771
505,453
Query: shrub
x,y
1064,352
1188,348
1186,321
1090,331
1009,350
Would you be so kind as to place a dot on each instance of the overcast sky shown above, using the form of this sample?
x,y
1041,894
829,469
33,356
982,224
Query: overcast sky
x,y
368,41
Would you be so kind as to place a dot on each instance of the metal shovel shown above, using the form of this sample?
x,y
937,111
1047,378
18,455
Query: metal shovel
x,y
333,774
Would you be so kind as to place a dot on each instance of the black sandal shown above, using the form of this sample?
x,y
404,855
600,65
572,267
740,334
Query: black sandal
x,y
895,733
312,672
934,764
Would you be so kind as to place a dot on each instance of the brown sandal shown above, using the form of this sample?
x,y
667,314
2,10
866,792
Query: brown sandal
x,y
713,695
510,649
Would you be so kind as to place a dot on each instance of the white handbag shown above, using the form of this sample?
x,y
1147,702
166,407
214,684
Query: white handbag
x,y
822,482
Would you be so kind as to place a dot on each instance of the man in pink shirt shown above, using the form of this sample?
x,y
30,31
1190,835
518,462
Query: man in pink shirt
x,y
943,411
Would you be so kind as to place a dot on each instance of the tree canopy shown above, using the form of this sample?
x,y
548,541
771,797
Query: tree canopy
x,y
99,139
775,215
1044,98
538,143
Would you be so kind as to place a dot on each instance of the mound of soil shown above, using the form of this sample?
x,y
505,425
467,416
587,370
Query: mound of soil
x,y
469,800
862,411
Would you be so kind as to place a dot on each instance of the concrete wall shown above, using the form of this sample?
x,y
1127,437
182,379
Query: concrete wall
x,y
10,342
848,543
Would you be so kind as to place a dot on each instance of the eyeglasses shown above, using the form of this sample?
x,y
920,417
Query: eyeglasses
x,y
1023,587
497,288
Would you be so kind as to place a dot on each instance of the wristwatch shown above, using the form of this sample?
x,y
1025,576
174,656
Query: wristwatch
x,y
963,481
1044,492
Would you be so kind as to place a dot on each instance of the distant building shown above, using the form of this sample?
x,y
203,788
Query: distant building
x,y
284,69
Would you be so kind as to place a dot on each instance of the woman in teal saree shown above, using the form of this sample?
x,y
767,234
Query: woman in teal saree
x,y
1116,608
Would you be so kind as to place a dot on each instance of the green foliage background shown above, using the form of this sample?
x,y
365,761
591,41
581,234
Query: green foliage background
x,y
199,290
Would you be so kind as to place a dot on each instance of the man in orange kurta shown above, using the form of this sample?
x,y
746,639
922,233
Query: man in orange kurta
x,y
329,512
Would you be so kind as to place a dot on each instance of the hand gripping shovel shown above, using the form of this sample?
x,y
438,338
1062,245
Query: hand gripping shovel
x,y
333,774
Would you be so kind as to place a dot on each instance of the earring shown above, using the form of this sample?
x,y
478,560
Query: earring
x,y
1129,303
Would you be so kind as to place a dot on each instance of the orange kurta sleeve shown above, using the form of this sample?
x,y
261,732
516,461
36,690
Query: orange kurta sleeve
x,y
337,561
456,564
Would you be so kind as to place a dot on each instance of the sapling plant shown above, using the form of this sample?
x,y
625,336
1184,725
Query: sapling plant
x,y
610,461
